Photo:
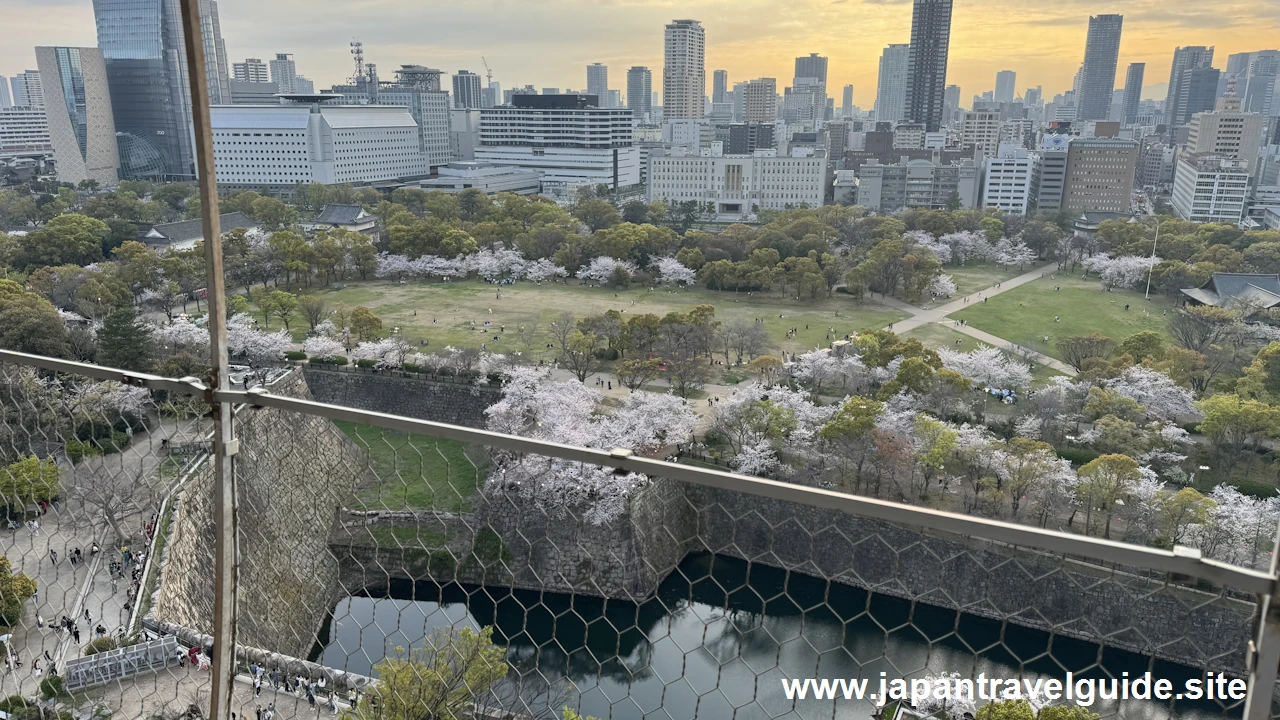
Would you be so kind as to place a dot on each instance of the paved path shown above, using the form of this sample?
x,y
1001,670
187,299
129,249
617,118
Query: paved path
x,y
938,315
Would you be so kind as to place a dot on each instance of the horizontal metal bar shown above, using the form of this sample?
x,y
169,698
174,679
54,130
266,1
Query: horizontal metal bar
x,y
188,386
1191,565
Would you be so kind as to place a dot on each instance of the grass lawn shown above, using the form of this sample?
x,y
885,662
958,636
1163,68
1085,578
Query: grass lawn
x,y
1025,314
417,472
393,536
934,335
442,313
970,279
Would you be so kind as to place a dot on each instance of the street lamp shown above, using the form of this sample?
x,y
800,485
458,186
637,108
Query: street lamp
x,y
1151,265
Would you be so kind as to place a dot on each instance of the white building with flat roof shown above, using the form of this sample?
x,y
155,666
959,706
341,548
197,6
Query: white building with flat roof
x,y
24,129
738,185
1009,180
492,179
309,141
1210,188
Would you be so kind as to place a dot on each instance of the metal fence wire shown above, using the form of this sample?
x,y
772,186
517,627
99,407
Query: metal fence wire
x,y
384,561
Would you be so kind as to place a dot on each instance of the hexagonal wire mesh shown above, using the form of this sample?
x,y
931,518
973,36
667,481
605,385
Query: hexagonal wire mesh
x,y
364,550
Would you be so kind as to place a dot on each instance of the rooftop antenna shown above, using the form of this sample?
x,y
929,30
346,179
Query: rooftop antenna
x,y
357,51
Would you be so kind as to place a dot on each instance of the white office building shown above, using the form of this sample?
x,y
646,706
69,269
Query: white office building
x,y
252,70
684,73
418,89
492,179
284,73
566,139
1010,179
24,129
981,129
308,141
27,90
738,185
1210,188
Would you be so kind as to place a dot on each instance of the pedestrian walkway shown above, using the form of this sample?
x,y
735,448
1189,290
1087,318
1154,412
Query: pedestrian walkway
x,y
921,316
1021,350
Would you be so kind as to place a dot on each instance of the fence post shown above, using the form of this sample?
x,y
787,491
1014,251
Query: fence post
x,y
225,445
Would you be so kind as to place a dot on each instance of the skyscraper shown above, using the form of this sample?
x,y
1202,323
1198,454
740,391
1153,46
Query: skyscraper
x,y
1255,74
846,102
1098,74
78,107
142,44
684,75
251,70
927,62
466,90
27,90
951,104
1006,81
598,83
1033,96
760,101
1186,60
891,89
284,72
639,90
418,89
813,66
1133,92
719,86
5,100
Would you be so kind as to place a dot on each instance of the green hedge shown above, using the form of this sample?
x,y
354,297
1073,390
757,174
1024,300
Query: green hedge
x,y
1255,488
1077,456
295,355
366,363
330,360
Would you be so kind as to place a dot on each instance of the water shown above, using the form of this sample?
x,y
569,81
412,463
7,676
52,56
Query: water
x,y
715,642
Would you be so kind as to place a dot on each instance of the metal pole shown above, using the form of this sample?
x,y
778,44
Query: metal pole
x,y
224,443
1264,650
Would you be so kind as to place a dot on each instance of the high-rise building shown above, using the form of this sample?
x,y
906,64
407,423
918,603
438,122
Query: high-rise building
x,y
1051,184
891,90
813,66
1100,174
1210,188
27,90
918,183
760,101
418,89
1227,132
738,185
142,43
78,108
719,86
284,72
303,86
252,70
466,90
981,129
1132,92
640,90
684,75
846,102
746,138
24,129
1097,78
598,82
1006,82
1033,97
1181,77
951,104
1009,180
927,62
1255,75
5,99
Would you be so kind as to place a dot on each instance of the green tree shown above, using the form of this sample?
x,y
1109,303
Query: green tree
x,y
281,304
29,323
597,214
1197,327
635,373
15,590
1006,710
365,324
474,205
579,354
440,681
1079,349
273,213
1104,482
314,309
125,342
1143,345
1177,511
67,239
29,480
1232,423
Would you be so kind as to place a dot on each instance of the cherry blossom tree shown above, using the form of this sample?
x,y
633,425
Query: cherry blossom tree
x,y
181,336
1163,398
967,246
322,346
988,367
492,263
542,269
391,351
926,240
600,269
1127,271
827,372
942,286
244,338
1009,252
673,272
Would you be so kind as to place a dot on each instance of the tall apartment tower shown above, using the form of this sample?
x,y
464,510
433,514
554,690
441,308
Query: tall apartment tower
x,y
760,101
684,74
813,66
1006,81
284,72
27,90
1133,92
1184,99
598,83
251,70
951,104
141,41
846,102
927,62
78,107
891,90
466,90
1098,74
719,86
640,90
5,99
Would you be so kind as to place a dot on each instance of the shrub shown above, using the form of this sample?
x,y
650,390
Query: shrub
x,y
101,644
366,363
606,354
295,355
329,360
411,367
1255,488
77,450
51,687
1077,456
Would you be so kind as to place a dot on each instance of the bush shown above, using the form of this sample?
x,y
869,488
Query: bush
x,y
410,367
1255,488
366,363
1077,456
329,360
606,354
51,687
102,644
77,450
447,371
428,369
295,355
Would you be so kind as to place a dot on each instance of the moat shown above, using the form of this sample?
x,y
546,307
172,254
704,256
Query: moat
x,y
716,641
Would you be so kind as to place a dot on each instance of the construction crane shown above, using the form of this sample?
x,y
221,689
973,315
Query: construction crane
x,y
488,71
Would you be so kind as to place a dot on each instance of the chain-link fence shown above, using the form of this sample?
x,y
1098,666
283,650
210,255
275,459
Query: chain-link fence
x,y
397,567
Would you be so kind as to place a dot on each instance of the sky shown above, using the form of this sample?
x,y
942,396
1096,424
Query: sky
x,y
548,43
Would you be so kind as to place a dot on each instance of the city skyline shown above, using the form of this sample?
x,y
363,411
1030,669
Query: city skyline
x,y
852,33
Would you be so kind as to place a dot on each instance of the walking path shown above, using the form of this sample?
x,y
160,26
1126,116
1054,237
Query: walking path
x,y
938,315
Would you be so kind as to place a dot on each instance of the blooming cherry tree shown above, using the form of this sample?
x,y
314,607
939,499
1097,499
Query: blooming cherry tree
x,y
600,269
988,367
322,346
542,269
672,272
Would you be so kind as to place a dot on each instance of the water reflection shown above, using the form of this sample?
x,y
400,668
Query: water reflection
x,y
717,639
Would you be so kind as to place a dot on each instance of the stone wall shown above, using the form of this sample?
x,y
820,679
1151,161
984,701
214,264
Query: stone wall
x,y
293,474
402,394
